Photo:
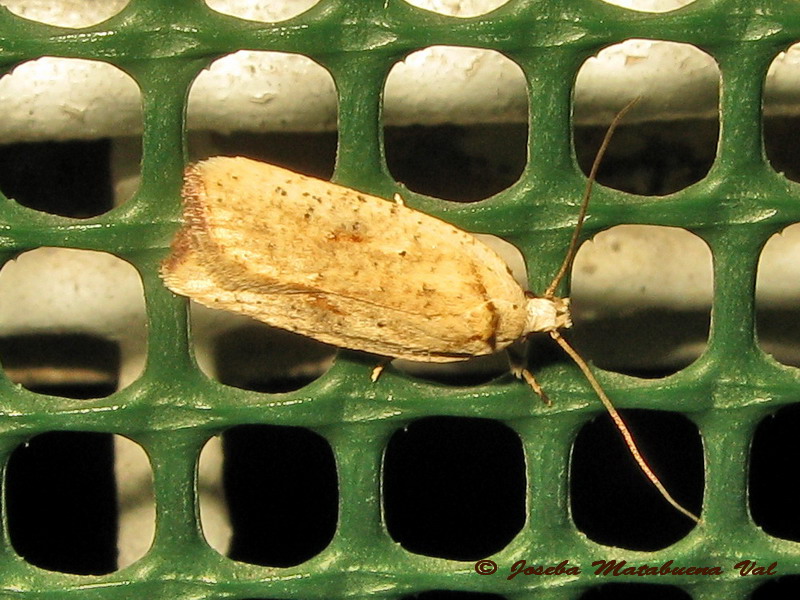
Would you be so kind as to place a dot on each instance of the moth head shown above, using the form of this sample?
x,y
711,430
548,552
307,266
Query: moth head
x,y
546,314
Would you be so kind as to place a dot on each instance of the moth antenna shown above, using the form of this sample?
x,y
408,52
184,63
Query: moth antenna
x,y
587,194
621,426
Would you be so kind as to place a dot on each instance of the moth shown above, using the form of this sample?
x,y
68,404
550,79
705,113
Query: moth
x,y
361,272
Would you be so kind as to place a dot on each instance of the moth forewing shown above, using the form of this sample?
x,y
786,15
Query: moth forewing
x,y
341,266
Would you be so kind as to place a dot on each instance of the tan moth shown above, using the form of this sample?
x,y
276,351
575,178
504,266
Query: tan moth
x,y
360,272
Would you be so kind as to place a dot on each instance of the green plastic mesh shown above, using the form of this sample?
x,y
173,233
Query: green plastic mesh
x,y
173,409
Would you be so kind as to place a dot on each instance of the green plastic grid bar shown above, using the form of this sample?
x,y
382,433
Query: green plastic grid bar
x,y
173,408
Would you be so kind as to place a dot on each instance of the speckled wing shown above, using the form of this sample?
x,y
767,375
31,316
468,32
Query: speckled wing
x,y
338,265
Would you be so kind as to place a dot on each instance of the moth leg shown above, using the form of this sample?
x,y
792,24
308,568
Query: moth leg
x,y
520,372
399,199
378,369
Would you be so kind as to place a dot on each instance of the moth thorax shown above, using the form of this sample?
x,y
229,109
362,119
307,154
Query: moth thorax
x,y
546,314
